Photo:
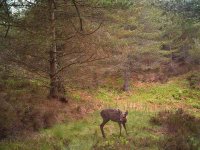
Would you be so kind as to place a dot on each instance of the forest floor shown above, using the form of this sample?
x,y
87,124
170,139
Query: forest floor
x,y
150,107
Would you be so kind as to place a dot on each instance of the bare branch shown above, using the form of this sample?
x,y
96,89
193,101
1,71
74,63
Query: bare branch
x,y
8,28
79,15
29,2
8,17
18,26
73,25
30,67
88,60
92,31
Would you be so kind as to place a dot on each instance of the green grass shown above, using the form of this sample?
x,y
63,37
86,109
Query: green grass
x,y
106,95
85,134
171,92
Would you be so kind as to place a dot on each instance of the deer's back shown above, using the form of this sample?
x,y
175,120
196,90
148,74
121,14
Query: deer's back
x,y
111,114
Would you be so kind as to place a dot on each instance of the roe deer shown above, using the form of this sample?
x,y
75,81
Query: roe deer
x,y
115,115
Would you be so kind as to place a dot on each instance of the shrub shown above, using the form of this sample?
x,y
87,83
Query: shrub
x,y
15,119
7,119
194,80
183,130
35,119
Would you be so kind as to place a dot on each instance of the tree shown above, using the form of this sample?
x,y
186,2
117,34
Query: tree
x,y
189,9
40,34
186,15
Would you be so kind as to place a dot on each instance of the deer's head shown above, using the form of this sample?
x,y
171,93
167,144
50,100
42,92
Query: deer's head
x,y
123,117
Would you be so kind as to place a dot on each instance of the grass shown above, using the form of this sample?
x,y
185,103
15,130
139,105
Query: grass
x,y
118,4
85,134
175,91
143,103
106,95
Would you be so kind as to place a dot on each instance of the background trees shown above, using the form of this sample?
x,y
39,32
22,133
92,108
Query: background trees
x,y
47,37
186,14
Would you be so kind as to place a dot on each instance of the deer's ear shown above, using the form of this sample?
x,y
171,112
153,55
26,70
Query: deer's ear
x,y
119,111
126,113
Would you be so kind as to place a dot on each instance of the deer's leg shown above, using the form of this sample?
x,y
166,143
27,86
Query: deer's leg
x,y
102,125
124,125
120,127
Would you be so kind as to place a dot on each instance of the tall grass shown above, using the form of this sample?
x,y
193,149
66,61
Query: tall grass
x,y
85,135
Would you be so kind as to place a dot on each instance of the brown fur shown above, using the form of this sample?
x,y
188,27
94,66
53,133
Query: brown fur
x,y
115,115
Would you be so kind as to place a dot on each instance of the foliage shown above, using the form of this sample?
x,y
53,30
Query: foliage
x,y
188,8
194,80
183,130
18,110
195,52
34,32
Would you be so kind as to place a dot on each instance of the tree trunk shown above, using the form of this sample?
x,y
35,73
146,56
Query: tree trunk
x,y
53,93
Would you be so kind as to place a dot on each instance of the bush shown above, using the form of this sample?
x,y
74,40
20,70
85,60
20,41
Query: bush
x,y
34,119
31,119
182,129
7,119
194,80
23,117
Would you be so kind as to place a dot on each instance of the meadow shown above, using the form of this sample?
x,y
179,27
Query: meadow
x,y
158,115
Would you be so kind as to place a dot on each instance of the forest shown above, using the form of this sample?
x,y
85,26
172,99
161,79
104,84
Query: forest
x,y
99,75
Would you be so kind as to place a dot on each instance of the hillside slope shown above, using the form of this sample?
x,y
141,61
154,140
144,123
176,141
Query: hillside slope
x,y
146,129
